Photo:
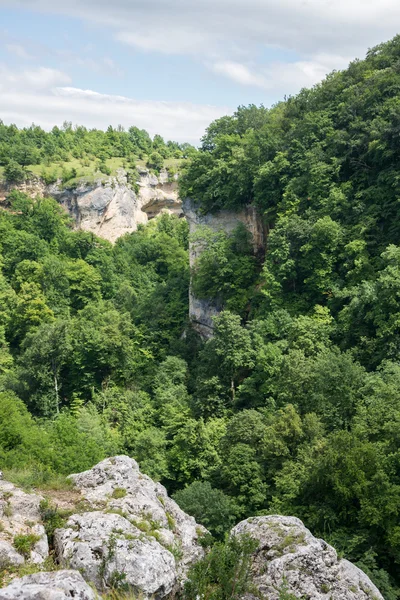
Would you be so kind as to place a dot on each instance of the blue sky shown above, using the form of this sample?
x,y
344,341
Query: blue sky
x,y
173,66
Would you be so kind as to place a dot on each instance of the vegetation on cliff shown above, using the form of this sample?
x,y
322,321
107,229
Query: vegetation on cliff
x,y
294,405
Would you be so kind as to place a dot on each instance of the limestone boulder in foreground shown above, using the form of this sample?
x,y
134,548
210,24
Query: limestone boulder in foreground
x,y
132,535
289,557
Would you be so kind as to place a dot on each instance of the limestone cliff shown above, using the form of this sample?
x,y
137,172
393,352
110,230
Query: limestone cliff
x,y
110,207
202,311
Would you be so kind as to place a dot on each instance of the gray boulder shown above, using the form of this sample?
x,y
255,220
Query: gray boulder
x,y
108,550
290,558
20,516
133,531
57,585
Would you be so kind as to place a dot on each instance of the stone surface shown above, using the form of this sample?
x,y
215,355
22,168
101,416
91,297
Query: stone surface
x,y
20,515
109,207
134,530
289,555
57,585
202,311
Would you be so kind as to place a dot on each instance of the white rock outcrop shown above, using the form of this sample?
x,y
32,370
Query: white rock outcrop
x,y
56,585
134,533
289,557
20,516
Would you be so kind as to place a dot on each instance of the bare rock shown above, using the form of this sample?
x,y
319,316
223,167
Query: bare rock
x,y
134,531
57,585
20,516
290,557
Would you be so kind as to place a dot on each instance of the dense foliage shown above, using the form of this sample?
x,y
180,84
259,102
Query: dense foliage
x,y
68,150
294,405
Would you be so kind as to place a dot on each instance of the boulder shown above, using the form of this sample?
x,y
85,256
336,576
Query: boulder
x,y
20,516
56,585
289,558
133,531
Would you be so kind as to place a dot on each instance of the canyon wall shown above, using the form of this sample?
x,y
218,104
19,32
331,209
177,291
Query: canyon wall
x,y
109,207
202,311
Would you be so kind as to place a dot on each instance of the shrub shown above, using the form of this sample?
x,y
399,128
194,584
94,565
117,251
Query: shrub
x,y
24,543
155,161
209,506
14,172
224,573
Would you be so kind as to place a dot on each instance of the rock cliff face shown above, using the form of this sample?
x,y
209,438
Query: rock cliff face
x,y
110,207
129,533
202,311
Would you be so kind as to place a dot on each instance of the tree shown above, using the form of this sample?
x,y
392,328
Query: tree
x,y
209,506
232,346
14,172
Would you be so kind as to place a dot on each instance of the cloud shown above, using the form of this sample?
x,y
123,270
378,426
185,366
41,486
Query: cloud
x,y
234,26
282,77
39,96
239,73
231,36
31,79
18,50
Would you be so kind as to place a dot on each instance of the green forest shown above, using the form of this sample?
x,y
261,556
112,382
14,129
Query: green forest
x,y
72,153
293,406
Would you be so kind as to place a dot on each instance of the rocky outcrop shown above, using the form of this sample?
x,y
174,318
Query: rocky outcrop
x,y
134,532
21,527
58,585
202,311
289,558
110,206
129,534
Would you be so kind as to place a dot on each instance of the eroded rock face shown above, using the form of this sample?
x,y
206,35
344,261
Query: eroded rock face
x,y
289,556
57,585
20,516
202,311
134,532
109,206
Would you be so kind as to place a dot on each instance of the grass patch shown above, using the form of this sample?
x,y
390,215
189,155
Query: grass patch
x,y
118,493
29,479
24,543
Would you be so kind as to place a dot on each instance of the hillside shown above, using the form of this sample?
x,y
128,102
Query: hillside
x,y
292,407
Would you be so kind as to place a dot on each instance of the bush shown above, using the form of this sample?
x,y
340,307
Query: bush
x,y
210,507
155,161
14,172
224,573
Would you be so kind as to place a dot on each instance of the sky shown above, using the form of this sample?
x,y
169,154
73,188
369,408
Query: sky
x,y
172,67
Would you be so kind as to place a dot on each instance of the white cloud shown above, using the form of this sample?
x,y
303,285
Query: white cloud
x,y
230,36
239,73
55,103
31,79
18,50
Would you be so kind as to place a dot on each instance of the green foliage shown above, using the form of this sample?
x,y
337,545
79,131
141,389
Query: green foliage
x,y
210,507
68,153
24,543
292,405
224,573
14,173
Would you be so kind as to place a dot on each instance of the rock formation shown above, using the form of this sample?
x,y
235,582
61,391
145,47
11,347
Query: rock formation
x,y
202,311
133,530
20,519
110,207
290,558
57,585
130,534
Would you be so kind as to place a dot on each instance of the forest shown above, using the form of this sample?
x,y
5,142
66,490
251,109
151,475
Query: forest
x,y
293,406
